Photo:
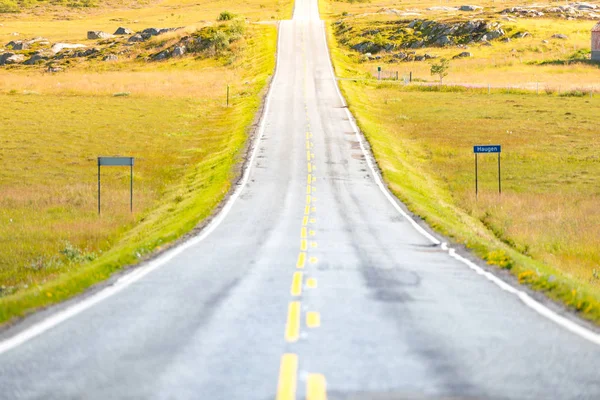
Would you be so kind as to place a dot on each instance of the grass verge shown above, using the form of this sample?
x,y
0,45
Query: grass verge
x,y
544,227
188,148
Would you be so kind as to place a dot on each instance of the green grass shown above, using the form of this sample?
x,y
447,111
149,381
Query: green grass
x,y
187,144
545,228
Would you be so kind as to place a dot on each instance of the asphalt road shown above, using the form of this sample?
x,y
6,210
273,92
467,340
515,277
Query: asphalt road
x,y
311,283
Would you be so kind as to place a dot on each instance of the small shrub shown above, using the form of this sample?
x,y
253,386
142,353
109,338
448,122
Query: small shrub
x,y
226,16
9,6
499,258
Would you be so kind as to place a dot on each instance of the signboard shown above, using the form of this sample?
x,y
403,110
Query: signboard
x,y
116,162
487,149
490,149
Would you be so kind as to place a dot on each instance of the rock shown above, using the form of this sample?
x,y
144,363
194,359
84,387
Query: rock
x,y
495,34
58,47
506,39
442,8
470,8
545,41
111,57
559,36
54,69
123,31
585,6
93,35
36,58
521,35
11,58
464,54
443,41
163,55
136,38
179,51
18,45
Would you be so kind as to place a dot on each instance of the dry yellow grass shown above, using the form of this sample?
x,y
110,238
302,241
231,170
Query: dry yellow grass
x,y
173,120
514,64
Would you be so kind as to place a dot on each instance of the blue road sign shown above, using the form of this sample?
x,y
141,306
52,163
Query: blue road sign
x,y
487,149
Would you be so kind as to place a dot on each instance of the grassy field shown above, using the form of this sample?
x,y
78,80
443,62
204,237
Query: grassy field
x,y
545,228
537,60
171,116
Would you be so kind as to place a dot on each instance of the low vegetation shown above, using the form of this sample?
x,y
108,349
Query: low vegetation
x,y
544,227
169,113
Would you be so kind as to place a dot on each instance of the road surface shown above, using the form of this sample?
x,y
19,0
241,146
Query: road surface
x,y
311,283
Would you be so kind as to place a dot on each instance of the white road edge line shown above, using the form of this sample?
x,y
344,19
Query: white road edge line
x,y
138,273
524,297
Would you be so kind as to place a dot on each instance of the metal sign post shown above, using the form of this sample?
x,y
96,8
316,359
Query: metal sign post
x,y
487,149
116,162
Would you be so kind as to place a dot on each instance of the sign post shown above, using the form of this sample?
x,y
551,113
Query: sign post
x,y
487,149
116,162
378,73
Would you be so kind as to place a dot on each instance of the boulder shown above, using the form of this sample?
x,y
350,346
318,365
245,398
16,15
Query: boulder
x,y
521,35
464,54
36,58
58,47
163,55
93,35
11,58
585,6
136,38
123,31
470,8
111,57
54,69
179,51
18,45
443,41
559,36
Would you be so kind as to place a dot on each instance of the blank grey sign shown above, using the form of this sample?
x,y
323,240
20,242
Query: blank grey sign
x,y
115,161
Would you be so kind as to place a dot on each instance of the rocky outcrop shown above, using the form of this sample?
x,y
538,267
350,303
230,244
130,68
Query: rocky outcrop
x,y
11,58
470,8
93,35
123,31
569,11
58,47
464,54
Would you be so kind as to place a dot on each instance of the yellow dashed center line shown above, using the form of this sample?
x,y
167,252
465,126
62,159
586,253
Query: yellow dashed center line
x,y
303,244
305,220
308,199
288,370
316,387
301,260
309,179
303,232
308,188
292,326
296,289
309,167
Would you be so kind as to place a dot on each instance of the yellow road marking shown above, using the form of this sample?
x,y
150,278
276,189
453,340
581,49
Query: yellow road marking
x,y
288,371
314,189
308,199
309,167
313,319
313,220
312,233
301,260
312,155
303,232
305,220
308,155
316,387
303,245
307,210
309,179
313,260
292,326
313,244
314,209
308,189
296,289
311,283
